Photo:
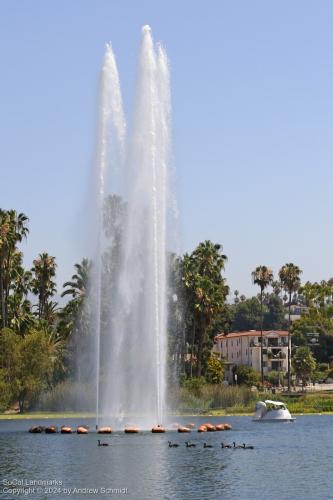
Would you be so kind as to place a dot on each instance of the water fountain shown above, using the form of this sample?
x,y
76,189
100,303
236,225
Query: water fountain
x,y
129,283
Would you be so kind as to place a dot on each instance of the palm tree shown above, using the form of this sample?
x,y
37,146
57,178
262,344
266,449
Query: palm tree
x,y
78,286
207,290
13,228
42,284
74,314
262,276
290,279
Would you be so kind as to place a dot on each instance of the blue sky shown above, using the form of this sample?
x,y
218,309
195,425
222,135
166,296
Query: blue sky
x,y
252,91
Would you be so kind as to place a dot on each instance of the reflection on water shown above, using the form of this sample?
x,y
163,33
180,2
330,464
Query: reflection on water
x,y
289,461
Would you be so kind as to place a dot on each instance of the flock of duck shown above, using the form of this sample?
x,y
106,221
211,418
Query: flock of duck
x,y
205,445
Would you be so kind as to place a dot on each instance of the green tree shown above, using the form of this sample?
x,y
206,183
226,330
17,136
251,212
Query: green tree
x,y
304,364
274,314
289,275
44,270
215,370
262,276
246,375
13,228
206,288
26,365
247,315
33,368
316,317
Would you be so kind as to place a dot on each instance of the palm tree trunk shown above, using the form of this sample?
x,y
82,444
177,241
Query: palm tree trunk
x,y
192,349
2,299
262,340
200,351
289,345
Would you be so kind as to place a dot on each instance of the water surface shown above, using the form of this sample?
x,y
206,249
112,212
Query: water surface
x,y
290,460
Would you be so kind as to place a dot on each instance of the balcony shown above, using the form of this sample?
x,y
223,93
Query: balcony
x,y
276,354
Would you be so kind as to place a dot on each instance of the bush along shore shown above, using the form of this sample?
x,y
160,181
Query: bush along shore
x,y
189,399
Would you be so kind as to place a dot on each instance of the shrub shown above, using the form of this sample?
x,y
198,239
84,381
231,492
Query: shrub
x,y
246,375
273,377
214,371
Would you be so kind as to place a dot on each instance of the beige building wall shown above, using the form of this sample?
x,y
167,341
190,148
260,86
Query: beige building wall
x,y
243,348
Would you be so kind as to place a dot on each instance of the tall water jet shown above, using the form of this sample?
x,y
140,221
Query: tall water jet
x,y
110,148
129,285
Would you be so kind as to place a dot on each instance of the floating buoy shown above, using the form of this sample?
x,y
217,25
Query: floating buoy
x,y
36,429
219,427
210,427
66,430
202,428
183,429
82,430
131,430
158,429
52,429
104,430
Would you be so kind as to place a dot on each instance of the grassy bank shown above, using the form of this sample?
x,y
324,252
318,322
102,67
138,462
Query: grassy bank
x,y
213,400
44,415
233,400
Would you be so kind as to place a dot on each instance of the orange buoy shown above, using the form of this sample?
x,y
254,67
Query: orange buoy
x,y
131,430
158,429
104,430
36,429
220,427
183,429
82,430
202,428
52,429
66,430
210,427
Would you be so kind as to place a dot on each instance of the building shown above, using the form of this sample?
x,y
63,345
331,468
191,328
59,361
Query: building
x,y
296,311
243,348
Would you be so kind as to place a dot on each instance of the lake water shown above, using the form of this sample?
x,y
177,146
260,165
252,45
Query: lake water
x,y
289,461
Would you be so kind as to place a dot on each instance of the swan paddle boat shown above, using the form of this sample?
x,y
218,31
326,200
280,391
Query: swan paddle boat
x,y
272,411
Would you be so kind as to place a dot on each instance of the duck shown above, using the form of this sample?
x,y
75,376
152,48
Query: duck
x,y
102,444
205,445
237,445
223,445
173,445
247,447
190,445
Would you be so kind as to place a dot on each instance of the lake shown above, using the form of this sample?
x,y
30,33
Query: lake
x,y
289,461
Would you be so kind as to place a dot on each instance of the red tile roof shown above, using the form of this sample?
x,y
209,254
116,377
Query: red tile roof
x,y
250,333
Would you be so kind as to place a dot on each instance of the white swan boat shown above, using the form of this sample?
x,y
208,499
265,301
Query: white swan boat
x,y
272,411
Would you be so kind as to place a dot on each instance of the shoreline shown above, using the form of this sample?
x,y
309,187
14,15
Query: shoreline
x,y
72,415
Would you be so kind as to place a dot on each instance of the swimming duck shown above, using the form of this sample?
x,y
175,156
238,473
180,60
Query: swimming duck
x,y
237,445
223,445
102,444
249,447
205,445
173,445
190,445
